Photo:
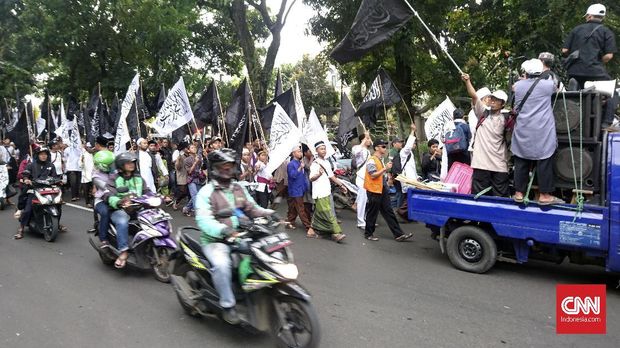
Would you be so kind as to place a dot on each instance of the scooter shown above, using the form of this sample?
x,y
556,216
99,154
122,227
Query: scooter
x,y
46,208
344,200
264,282
151,245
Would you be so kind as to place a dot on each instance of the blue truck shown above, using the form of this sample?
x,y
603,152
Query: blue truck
x,y
475,232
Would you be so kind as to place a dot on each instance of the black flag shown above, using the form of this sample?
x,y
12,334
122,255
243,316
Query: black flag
x,y
286,101
375,22
46,114
20,133
382,92
238,118
92,116
207,111
183,134
106,123
347,126
279,88
115,112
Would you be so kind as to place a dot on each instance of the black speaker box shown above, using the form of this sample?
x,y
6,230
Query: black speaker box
x,y
590,169
589,107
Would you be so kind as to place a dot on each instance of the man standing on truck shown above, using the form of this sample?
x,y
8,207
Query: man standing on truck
x,y
588,48
375,183
489,159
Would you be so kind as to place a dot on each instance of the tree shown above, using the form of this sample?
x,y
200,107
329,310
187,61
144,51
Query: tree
x,y
253,21
311,75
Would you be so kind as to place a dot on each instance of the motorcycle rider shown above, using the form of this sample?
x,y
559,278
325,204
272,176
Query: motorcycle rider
x,y
223,192
103,181
39,169
128,177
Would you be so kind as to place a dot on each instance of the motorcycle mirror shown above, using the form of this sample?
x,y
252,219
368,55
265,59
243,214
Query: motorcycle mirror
x,y
122,189
224,213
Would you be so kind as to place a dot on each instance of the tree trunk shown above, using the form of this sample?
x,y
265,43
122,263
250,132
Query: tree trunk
x,y
238,14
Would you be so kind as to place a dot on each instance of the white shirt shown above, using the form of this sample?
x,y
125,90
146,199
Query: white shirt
x,y
409,168
72,158
321,187
260,168
146,162
175,155
4,155
160,164
56,159
360,155
87,167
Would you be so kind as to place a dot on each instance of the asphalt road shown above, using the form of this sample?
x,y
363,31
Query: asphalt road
x,y
367,294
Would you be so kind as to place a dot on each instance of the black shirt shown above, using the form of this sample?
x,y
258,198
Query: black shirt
x,y
593,40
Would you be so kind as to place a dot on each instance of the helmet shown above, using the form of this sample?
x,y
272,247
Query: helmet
x,y
216,159
123,158
103,160
40,149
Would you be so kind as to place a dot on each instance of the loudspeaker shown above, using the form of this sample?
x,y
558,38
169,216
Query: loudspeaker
x,y
590,166
590,109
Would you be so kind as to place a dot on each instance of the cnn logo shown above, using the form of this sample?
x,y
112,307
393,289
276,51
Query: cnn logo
x,y
580,309
576,305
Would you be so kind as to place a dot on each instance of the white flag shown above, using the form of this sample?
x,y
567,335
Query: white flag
x,y
299,109
284,137
60,128
314,132
440,121
175,112
41,124
122,133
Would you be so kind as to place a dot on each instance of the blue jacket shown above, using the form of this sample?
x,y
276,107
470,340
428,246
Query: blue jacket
x,y
297,182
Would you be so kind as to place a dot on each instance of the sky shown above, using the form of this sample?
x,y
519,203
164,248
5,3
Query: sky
x,y
294,42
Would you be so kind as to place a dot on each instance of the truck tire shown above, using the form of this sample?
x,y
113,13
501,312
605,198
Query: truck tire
x,y
471,249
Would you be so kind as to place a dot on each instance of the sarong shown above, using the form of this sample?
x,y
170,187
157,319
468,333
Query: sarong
x,y
323,220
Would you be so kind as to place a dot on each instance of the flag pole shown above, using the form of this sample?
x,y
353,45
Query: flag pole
x,y
445,50
49,116
387,122
222,125
260,126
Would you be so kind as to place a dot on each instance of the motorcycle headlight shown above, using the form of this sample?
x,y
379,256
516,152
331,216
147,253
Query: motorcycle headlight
x,y
58,198
286,270
154,201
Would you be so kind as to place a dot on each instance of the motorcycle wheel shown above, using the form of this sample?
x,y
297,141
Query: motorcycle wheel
x,y
299,326
51,233
160,270
189,310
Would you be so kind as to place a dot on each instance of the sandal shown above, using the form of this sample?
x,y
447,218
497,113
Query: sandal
x,y
517,199
338,237
121,261
555,200
19,234
104,245
403,237
372,238
290,225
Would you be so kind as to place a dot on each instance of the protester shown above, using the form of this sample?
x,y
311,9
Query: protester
x,y
548,60
246,168
360,155
103,180
181,174
263,178
308,159
160,169
56,157
588,48
393,154
534,138
375,183
489,158
146,165
280,178
297,187
461,124
431,161
72,156
193,165
323,218
409,170
87,165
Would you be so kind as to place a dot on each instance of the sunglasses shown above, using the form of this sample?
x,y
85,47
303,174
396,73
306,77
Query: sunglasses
x,y
383,146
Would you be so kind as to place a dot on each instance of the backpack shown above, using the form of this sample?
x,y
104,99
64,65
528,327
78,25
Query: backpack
x,y
455,140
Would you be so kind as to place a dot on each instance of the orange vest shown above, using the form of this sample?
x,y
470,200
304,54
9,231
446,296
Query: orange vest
x,y
371,184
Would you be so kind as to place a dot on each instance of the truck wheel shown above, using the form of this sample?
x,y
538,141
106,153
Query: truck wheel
x,y
471,249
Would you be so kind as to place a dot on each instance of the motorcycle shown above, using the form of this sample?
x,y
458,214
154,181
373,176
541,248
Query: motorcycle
x,y
264,282
151,245
46,204
344,200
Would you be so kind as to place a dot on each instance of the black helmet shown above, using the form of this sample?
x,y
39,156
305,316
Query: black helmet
x,y
216,159
40,149
123,158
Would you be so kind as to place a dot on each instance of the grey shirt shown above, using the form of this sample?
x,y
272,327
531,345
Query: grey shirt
x,y
490,151
534,136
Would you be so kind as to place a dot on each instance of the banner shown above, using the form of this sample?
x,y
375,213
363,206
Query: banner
x,y
347,124
314,132
284,137
176,111
375,22
122,132
440,121
238,118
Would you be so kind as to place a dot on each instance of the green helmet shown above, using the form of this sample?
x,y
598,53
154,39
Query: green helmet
x,y
103,160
